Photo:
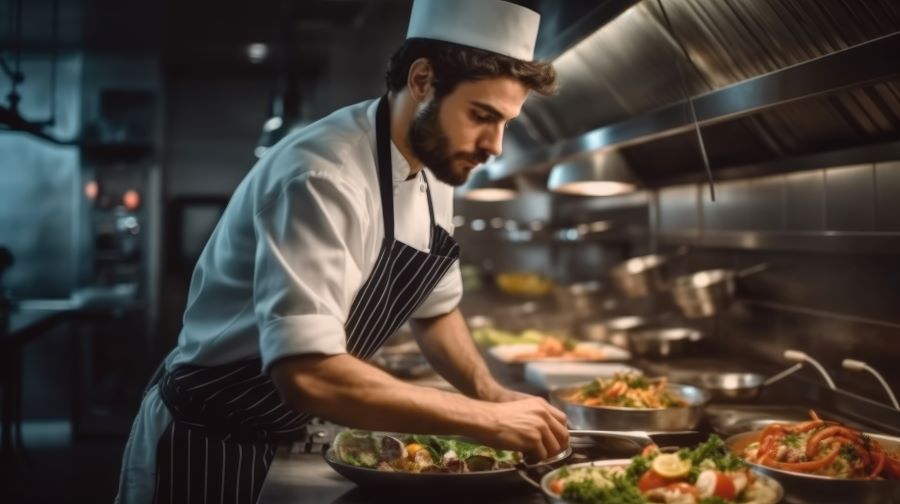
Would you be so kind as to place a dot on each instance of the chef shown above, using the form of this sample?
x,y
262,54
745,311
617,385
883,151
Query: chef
x,y
339,235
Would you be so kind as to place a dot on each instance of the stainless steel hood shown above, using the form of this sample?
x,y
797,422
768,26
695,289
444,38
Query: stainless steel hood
x,y
773,80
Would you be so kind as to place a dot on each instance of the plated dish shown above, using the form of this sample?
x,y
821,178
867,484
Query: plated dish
x,y
554,351
416,453
627,390
823,448
705,474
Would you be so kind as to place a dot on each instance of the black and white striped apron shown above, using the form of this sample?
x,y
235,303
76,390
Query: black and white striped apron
x,y
227,419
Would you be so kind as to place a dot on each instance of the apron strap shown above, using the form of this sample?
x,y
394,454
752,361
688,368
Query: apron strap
x,y
385,177
385,173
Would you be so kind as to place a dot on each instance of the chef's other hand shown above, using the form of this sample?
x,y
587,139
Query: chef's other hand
x,y
530,425
503,394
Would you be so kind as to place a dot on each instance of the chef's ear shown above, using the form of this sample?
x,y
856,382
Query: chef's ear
x,y
419,80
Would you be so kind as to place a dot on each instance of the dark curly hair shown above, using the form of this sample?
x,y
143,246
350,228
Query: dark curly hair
x,y
454,63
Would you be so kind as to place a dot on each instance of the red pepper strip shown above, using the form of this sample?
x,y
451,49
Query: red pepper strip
x,y
879,465
892,469
805,426
812,446
809,466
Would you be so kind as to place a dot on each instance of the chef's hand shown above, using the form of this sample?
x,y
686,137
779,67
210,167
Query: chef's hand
x,y
530,425
503,394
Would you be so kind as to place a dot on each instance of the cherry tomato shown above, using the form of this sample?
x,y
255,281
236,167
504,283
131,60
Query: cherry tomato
x,y
714,483
650,480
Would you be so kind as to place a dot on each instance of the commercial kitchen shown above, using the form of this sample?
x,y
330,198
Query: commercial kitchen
x,y
689,249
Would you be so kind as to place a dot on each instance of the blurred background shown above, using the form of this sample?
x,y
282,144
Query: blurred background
x,y
125,126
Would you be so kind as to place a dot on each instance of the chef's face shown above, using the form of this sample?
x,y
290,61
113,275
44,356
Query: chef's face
x,y
454,134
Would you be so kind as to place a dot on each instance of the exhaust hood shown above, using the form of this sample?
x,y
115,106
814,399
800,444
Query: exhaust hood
x,y
775,83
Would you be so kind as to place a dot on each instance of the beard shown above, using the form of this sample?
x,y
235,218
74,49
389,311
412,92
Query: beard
x,y
430,145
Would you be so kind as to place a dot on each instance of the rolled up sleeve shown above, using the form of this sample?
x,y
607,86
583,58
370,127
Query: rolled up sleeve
x,y
445,296
310,239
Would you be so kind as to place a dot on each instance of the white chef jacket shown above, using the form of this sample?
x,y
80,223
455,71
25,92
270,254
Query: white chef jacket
x,y
278,276
298,239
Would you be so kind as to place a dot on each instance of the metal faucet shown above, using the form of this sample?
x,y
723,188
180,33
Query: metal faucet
x,y
798,356
857,365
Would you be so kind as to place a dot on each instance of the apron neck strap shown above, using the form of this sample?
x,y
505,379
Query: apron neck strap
x,y
385,175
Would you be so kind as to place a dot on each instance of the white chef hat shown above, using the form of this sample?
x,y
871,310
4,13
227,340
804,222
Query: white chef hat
x,y
493,25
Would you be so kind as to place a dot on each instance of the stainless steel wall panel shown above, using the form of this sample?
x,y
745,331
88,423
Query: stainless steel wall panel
x,y
887,200
766,204
850,198
678,208
805,201
730,210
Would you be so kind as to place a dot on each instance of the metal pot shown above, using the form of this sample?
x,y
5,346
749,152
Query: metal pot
x,y
629,419
614,330
809,488
705,293
663,341
641,276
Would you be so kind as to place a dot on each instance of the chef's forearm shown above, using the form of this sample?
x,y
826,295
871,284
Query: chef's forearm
x,y
449,348
350,392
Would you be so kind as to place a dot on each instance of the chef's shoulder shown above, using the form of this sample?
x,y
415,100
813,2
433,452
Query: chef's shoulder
x,y
336,148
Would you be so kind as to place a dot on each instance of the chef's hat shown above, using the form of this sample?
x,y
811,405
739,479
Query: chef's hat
x,y
493,25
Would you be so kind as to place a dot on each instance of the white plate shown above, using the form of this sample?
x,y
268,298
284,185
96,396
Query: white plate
x,y
508,353
550,375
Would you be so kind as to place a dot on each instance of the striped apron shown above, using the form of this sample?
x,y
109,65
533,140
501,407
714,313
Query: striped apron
x,y
227,419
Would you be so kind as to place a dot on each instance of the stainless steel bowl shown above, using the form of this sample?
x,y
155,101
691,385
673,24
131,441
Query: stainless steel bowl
x,y
617,418
809,488
663,341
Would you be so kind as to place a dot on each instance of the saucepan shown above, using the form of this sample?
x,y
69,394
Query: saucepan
x,y
643,276
736,386
705,293
640,276
613,330
663,341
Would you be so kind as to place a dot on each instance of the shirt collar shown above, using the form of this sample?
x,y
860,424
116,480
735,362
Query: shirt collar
x,y
399,166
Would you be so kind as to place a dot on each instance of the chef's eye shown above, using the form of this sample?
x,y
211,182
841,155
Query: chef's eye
x,y
482,118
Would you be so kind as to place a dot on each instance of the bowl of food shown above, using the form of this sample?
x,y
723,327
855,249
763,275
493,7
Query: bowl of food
x,y
631,402
823,461
705,473
411,462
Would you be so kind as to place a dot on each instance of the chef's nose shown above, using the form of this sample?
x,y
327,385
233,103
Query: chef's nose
x,y
491,140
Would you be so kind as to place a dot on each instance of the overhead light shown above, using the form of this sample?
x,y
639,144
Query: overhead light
x,y
601,174
257,52
480,187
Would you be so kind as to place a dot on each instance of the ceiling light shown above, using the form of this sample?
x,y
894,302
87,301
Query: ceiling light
x,y
600,174
257,52
480,187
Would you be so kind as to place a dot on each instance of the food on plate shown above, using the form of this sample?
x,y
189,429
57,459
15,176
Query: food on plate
x,y
524,284
823,448
490,336
706,474
561,348
419,453
627,390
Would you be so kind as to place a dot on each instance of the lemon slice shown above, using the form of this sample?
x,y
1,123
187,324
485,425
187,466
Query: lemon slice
x,y
670,465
